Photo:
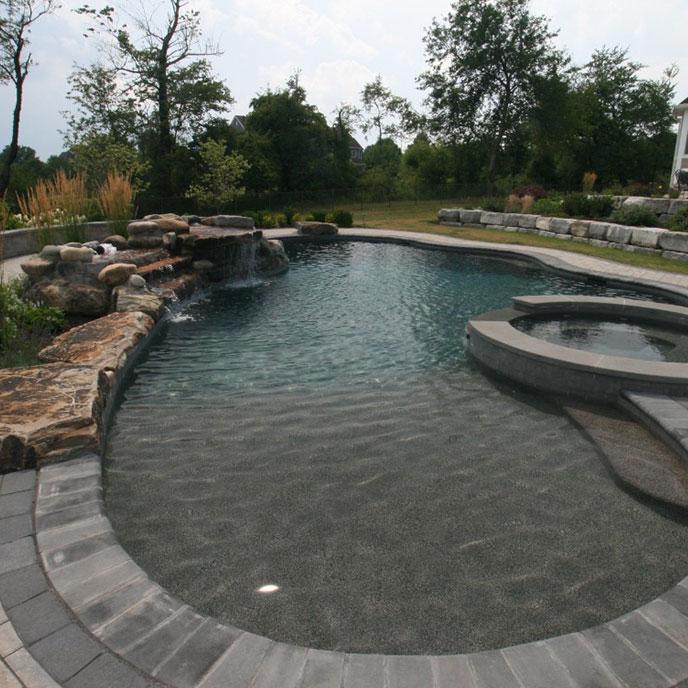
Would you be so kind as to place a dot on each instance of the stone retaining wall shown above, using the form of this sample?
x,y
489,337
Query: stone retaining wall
x,y
646,240
22,242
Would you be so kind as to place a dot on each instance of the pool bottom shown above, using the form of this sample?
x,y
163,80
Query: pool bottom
x,y
435,516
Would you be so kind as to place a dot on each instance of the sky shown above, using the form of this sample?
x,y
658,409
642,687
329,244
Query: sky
x,y
338,45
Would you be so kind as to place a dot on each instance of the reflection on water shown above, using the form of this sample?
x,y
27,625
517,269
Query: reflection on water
x,y
611,337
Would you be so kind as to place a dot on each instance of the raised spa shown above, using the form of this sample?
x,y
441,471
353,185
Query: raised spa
x,y
316,459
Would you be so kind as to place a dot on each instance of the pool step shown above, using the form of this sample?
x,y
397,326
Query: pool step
x,y
635,454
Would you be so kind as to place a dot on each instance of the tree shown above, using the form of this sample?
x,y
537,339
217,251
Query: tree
x,y
627,119
298,134
167,68
17,18
484,60
384,111
219,176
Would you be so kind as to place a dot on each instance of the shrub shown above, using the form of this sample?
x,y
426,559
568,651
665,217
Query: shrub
x,y
636,216
513,204
492,204
25,325
589,181
289,213
582,205
116,201
550,207
281,220
267,221
576,205
527,204
343,218
534,190
319,216
678,222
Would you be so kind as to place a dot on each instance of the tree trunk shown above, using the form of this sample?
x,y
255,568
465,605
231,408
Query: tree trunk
x,y
14,143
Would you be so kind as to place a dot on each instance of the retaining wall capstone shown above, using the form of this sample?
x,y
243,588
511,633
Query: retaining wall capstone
x,y
645,240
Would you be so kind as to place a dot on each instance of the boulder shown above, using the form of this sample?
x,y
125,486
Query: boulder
x,y
93,245
144,228
129,300
137,282
542,223
271,258
116,240
145,241
598,230
448,215
489,218
674,241
192,219
169,241
647,237
74,298
619,234
656,205
104,342
51,253
317,228
580,229
229,221
74,244
169,224
38,268
528,221
116,274
677,204
470,217
72,254
560,225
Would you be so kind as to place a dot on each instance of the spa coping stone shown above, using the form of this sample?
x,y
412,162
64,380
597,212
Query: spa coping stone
x,y
105,623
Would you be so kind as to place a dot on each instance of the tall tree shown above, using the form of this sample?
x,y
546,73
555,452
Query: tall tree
x,y
17,18
484,61
383,111
164,56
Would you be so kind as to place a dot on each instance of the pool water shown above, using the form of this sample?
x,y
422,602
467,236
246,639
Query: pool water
x,y
610,337
324,433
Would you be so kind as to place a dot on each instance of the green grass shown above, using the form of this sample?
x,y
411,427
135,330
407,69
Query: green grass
x,y
422,217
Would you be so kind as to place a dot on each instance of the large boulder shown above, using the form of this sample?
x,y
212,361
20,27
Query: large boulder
x,y
659,206
470,217
490,218
674,241
50,252
74,298
317,228
144,228
271,258
72,254
130,299
560,225
229,221
647,237
449,215
176,225
145,241
116,274
38,268
116,240
619,234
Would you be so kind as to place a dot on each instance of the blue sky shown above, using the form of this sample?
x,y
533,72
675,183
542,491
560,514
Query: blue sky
x,y
338,45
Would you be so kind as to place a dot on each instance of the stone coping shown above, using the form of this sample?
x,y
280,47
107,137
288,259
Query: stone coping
x,y
557,369
90,616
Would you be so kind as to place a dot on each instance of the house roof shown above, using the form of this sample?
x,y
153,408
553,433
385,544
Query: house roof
x,y
240,120
353,143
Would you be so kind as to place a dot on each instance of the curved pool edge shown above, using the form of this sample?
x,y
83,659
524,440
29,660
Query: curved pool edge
x,y
163,638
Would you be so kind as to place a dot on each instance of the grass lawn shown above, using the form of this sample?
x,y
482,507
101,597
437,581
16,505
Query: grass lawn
x,y
422,217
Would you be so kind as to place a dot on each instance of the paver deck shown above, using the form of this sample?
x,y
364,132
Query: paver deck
x,y
76,611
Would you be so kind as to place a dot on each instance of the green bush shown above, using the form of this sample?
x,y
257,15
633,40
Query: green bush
x,y
576,205
493,204
318,216
550,207
678,222
342,218
25,326
281,220
289,213
600,206
582,205
636,216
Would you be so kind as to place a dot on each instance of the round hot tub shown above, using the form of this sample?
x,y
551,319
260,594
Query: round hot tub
x,y
584,346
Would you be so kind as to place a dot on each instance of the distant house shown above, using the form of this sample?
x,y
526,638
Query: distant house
x,y
681,154
239,123
356,150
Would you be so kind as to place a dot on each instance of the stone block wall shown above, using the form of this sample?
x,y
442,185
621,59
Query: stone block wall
x,y
647,240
